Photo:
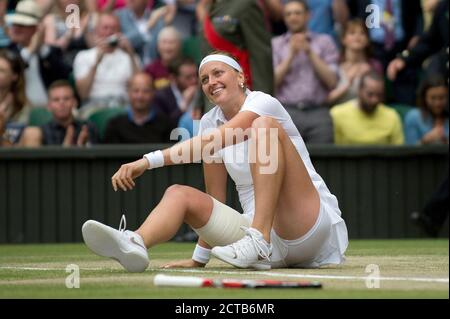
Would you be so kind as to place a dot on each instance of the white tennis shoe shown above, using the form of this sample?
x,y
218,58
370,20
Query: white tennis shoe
x,y
125,246
252,251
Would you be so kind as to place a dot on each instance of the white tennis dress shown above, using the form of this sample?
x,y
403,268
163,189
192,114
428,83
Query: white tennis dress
x,y
235,158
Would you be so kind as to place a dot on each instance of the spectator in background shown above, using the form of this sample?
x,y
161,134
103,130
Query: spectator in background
x,y
11,5
429,124
179,97
108,6
328,16
13,101
141,25
356,61
432,44
58,33
4,39
143,123
366,120
429,9
4,141
184,19
101,73
275,8
63,129
241,29
44,64
306,66
169,49
401,24
431,218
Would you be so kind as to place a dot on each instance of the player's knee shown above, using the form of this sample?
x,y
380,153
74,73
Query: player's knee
x,y
264,122
176,190
264,126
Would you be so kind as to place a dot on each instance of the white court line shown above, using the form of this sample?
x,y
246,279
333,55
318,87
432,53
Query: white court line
x,y
42,269
338,277
263,273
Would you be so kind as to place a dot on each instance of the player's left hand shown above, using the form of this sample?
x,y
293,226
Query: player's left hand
x,y
127,173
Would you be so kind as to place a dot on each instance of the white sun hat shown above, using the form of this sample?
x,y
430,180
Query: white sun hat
x,y
27,13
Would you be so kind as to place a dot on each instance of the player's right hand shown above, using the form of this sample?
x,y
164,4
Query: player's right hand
x,y
187,263
124,177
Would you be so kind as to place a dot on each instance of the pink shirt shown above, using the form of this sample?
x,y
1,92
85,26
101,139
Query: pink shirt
x,y
301,84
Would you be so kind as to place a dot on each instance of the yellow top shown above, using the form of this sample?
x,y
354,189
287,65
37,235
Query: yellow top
x,y
355,127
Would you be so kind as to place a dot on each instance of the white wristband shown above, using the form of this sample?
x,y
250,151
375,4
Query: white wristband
x,y
201,254
155,159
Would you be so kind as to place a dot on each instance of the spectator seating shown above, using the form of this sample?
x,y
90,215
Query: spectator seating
x,y
101,117
39,116
401,109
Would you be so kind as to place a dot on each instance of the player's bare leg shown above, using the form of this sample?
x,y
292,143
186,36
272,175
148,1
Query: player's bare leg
x,y
179,204
285,198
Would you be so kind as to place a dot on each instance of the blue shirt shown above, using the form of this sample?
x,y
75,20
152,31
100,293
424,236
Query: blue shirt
x,y
377,34
321,20
186,122
416,127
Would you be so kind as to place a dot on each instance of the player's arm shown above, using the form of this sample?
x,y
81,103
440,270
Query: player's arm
x,y
193,150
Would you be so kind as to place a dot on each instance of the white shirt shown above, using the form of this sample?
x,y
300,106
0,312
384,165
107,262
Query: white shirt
x,y
239,169
34,85
112,74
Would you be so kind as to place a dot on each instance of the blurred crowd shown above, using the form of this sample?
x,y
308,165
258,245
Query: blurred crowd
x,y
349,72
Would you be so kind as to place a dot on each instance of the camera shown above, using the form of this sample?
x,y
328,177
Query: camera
x,y
113,41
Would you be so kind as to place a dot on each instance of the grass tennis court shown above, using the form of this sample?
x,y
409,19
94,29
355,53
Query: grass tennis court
x,y
408,269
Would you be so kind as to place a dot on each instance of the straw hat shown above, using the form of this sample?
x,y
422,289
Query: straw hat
x,y
27,13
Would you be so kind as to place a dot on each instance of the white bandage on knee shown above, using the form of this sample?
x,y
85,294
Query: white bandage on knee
x,y
201,254
155,159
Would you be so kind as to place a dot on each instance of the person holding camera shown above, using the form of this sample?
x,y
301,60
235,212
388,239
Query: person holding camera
x,y
102,73
305,68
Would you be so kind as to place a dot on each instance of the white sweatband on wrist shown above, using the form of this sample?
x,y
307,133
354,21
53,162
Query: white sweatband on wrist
x,y
201,254
155,159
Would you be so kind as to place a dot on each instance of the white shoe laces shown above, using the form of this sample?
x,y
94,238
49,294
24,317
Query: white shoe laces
x,y
249,243
129,234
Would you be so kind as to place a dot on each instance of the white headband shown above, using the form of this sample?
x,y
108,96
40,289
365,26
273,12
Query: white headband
x,y
221,58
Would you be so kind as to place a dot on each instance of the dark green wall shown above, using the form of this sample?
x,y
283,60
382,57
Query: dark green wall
x,y
46,194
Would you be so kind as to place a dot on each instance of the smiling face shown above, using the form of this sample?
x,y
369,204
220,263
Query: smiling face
x,y
221,83
356,38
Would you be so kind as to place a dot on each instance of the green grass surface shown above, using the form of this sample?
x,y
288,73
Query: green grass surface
x,y
406,267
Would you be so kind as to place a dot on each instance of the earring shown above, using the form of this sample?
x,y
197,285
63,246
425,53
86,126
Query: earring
x,y
241,85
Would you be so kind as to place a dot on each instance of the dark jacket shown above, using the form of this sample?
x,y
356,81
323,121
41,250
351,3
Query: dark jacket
x,y
54,133
435,40
165,102
52,66
123,130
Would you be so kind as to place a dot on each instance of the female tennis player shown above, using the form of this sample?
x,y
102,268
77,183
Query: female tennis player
x,y
290,218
